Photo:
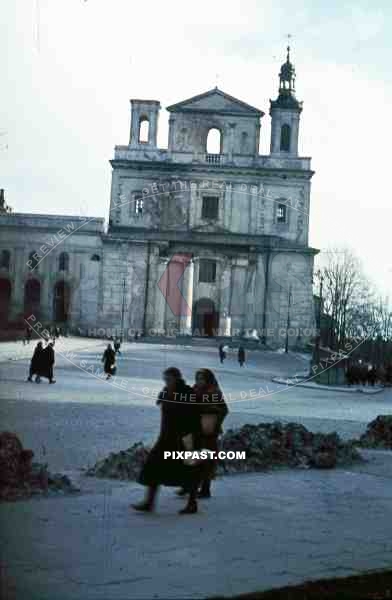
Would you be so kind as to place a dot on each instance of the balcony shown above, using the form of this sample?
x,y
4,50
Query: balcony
x,y
214,159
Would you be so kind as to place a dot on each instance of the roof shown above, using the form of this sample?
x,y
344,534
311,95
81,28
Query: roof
x,y
216,101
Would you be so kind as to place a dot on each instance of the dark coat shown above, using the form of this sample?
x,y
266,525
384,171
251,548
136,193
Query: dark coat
x,y
109,358
210,400
46,362
178,418
36,360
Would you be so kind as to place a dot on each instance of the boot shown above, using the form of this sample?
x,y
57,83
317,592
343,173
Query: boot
x,y
143,506
148,504
205,490
190,508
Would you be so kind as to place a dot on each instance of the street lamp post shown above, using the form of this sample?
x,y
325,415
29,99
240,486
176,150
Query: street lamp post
x,y
122,311
319,312
286,349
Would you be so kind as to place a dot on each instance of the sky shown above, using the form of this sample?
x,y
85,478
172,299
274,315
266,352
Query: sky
x,y
69,68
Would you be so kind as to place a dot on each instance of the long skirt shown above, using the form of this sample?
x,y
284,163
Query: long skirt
x,y
170,471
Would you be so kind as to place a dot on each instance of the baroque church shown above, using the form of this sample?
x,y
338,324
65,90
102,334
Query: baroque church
x,y
205,237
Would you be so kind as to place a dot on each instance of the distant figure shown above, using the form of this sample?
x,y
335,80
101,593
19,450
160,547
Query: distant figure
x,y
27,337
241,356
222,353
36,363
109,361
136,336
57,332
117,345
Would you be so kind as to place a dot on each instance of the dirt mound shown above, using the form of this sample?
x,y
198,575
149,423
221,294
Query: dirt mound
x,y
266,446
20,477
274,444
378,433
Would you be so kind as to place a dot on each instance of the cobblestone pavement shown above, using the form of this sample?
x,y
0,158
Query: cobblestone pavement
x,y
258,531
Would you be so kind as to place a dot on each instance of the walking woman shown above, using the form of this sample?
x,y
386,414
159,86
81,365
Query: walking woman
x,y
213,410
178,419
109,361
36,363
241,356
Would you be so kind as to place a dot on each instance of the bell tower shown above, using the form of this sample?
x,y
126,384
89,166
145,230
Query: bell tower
x,y
285,113
144,123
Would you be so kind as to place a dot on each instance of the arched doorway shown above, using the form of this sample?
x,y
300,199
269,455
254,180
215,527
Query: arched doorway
x,y
205,318
5,297
61,302
32,298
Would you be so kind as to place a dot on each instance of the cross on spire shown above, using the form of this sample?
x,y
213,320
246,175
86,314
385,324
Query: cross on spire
x,y
289,36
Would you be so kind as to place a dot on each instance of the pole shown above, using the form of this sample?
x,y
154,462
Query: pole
x,y
319,312
122,312
288,321
265,299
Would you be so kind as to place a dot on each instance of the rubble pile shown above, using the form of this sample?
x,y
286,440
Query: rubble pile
x,y
378,433
125,464
266,445
20,477
274,444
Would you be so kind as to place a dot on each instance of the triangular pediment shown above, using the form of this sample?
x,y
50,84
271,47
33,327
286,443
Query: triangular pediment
x,y
216,101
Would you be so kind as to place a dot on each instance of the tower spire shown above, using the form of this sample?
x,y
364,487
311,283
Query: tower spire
x,y
287,75
285,111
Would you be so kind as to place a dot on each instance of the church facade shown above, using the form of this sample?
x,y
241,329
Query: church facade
x,y
205,237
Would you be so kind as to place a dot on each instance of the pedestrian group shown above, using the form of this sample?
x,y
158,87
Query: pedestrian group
x,y
42,362
191,419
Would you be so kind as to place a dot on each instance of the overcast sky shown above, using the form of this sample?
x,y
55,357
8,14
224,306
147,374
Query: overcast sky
x,y
69,68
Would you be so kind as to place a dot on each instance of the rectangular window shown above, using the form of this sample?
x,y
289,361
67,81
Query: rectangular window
x,y
210,207
281,213
139,205
135,204
207,271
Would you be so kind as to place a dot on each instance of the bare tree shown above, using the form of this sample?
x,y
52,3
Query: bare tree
x,y
347,296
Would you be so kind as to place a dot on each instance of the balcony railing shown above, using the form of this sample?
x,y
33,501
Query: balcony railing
x,y
214,159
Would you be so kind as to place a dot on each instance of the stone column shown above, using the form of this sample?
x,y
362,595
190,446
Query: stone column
x,y
187,304
160,300
17,290
134,134
153,128
231,141
177,310
225,297
228,199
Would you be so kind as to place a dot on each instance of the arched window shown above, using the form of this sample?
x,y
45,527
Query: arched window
x,y
5,298
144,127
214,141
5,259
32,297
64,262
285,138
33,261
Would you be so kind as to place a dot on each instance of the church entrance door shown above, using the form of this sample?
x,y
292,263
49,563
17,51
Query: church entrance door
x,y
205,318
